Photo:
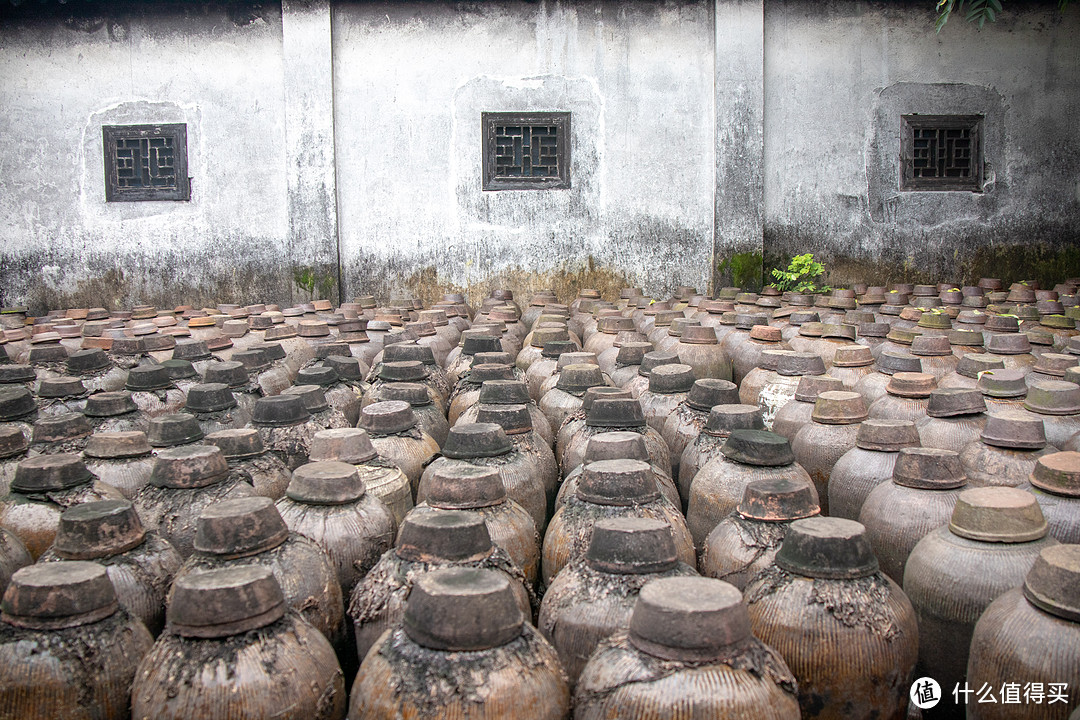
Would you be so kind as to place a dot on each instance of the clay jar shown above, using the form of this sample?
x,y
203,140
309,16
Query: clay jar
x,y
744,357
382,478
339,396
723,419
746,541
215,408
235,621
627,361
689,653
825,602
427,542
792,415
479,491
568,393
115,412
463,649
688,419
96,371
1006,451
409,352
764,373
593,597
609,489
327,502
1055,482
1013,349
954,418
285,426
1031,634
516,422
546,367
935,354
652,360
406,371
617,446
391,427
323,415
782,389
153,390
1057,404
43,487
61,395
120,459
467,392
184,481
831,432
575,422
668,386
250,531
460,358
920,499
13,447
140,565
619,414
906,398
869,464
428,416
249,461
13,555
991,541
872,385
511,392
67,647
851,363
1003,389
746,456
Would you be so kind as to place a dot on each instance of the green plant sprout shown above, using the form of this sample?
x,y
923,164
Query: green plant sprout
x,y
800,275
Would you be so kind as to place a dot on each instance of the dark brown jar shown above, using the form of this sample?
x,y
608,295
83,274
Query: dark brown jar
x,y
215,408
920,499
723,419
428,416
607,489
463,649
250,531
575,422
1055,482
57,434
872,385
479,490
906,398
510,392
968,371
328,502
831,432
689,653
793,414
460,358
848,632
43,487
516,422
745,356
339,396
746,456
745,542
381,477
68,649
649,362
115,412
13,555
617,446
620,414
569,391
184,481
1006,451
323,415
1057,404
153,390
140,565
869,464
991,541
96,371
1031,636
285,426
954,418
427,542
235,623
467,392
61,395
593,596
688,419
249,461
13,449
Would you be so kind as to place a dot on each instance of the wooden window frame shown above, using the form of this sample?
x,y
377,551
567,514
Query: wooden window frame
x,y
114,192
492,181
908,181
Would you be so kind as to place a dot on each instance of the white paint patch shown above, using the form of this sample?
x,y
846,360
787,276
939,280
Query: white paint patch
x,y
772,397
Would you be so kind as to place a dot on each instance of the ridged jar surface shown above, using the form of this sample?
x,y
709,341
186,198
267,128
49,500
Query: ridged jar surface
x,y
854,477
622,682
573,453
284,670
739,548
523,484
697,455
79,673
894,407
850,376
34,519
400,680
951,433
719,486
818,447
1059,428
680,429
992,466
951,580
557,405
1062,514
708,361
411,451
174,512
872,386
1015,642
852,644
772,397
657,407
126,475
290,443
266,473
790,418
392,488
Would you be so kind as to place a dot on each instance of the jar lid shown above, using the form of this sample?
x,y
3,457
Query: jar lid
x,y
279,411
504,360
233,374
237,443
1008,344
671,379
1048,363
872,329
53,596
708,392
688,618
98,530
58,428
972,364
272,350
451,535
474,341
811,329
240,527
838,330
16,402
601,391
475,440
328,482
758,447
997,514
44,354
504,392
769,359
191,350
252,360
929,469
936,320
228,601
464,487
618,445
778,500
1058,473
1002,324
320,375
800,364
699,335
765,333
188,467
347,445
632,546
1005,383
746,321
209,398
966,338
1053,583
972,317
109,404
632,353
1058,320
128,346
839,407
513,419
853,356
911,384
811,386
617,483
60,387
405,352
280,332
462,609
1053,397
613,324
828,548
312,396
345,368
47,473
1014,429
173,429
893,362
653,360
578,378
951,402
617,412
148,377
82,362
726,418
931,346
12,441
666,316
179,369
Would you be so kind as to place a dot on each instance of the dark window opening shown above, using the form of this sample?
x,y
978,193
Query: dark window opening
x,y
526,151
145,162
941,152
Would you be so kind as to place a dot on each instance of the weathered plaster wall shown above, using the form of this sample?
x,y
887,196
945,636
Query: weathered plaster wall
x,y
410,83
839,74
219,71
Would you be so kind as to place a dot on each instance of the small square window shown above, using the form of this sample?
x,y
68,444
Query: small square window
x,y
145,162
941,152
526,151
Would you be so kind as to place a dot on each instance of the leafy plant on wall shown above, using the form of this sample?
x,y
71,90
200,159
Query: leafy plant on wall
x,y
801,275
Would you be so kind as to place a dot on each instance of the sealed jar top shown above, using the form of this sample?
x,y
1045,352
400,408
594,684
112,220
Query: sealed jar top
x,y
513,419
911,384
778,500
708,392
632,546
886,435
893,362
655,359
1004,383
240,527
401,352
839,407
724,419
326,483
1058,473
109,404
504,392
1053,397
616,445
148,377
389,417
347,445
811,386
173,429
631,353
699,335
407,371
210,398
827,547
929,469
464,487
57,595
952,402
1014,430
450,536
997,514
58,428
758,447
15,402
220,603
98,530
63,387
472,440
671,379
462,609
50,473
12,441
1053,583
579,378
188,467
84,362
615,412
617,483
688,618
237,444
601,391
972,365
280,411
313,397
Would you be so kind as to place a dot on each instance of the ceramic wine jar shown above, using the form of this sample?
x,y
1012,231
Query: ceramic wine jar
x,y
722,421
831,432
1006,451
1055,482
869,464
